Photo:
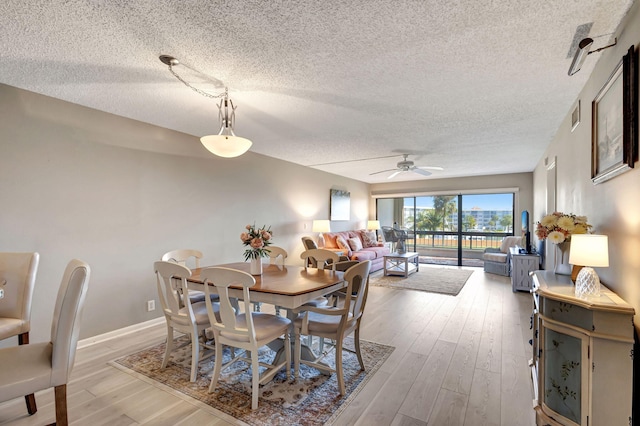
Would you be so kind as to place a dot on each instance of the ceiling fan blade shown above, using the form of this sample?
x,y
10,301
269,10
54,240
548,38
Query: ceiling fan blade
x,y
382,171
430,168
421,172
394,174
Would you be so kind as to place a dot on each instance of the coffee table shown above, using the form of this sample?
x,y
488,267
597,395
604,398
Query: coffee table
x,y
402,264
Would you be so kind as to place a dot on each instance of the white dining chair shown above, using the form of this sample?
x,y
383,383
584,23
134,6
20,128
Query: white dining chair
x,y
249,330
17,281
324,259
185,257
191,259
335,323
191,319
277,256
34,367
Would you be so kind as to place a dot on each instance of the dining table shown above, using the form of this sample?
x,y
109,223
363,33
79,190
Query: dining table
x,y
287,286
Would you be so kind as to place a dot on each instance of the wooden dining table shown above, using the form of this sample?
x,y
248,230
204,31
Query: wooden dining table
x,y
287,286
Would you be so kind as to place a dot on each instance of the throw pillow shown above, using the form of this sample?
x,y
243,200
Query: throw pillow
x,y
355,244
342,244
369,238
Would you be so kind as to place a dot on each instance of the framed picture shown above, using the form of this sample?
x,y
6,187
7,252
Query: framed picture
x,y
340,207
575,117
614,134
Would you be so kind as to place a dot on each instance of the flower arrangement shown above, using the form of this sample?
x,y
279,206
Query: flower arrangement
x,y
257,239
558,227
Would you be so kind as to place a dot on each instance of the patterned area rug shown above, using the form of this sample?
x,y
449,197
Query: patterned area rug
x,y
430,279
312,399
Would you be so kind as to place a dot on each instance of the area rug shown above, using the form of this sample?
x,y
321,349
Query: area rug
x,y
432,279
312,399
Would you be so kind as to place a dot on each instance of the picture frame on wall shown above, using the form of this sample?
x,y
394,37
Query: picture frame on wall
x,y
614,134
340,207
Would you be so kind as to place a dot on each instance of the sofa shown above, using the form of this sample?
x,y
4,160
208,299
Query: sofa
x,y
498,261
358,245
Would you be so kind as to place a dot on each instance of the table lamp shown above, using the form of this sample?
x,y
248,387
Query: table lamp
x,y
321,226
589,251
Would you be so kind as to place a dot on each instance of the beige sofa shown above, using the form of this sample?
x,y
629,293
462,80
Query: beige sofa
x,y
358,245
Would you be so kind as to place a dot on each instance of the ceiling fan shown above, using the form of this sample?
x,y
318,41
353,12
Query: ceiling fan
x,y
408,166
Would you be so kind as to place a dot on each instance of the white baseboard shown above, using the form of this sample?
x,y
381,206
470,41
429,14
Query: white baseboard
x,y
119,333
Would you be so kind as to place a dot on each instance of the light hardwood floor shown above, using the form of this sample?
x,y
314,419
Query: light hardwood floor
x,y
458,361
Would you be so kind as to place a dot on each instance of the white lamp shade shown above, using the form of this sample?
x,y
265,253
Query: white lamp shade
x,y
321,226
589,250
373,225
225,145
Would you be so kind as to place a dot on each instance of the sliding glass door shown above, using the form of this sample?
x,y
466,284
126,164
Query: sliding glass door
x,y
450,229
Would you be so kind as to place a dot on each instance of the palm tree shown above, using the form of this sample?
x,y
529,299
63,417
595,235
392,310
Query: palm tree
x,y
469,222
494,220
429,221
506,221
443,205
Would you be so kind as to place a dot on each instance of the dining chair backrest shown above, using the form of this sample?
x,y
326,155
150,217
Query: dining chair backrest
x,y
308,243
185,257
17,281
357,278
171,279
222,278
321,256
65,327
276,253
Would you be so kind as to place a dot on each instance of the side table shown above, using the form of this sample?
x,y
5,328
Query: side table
x,y
521,265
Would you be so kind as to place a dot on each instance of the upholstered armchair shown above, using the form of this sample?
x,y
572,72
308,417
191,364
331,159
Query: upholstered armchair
x,y
497,261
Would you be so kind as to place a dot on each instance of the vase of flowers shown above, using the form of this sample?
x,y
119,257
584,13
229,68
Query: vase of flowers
x,y
557,228
257,239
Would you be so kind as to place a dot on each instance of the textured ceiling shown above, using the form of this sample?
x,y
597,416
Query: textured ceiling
x,y
477,87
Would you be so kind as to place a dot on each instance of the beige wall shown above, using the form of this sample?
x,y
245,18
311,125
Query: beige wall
x,y
117,193
520,183
612,207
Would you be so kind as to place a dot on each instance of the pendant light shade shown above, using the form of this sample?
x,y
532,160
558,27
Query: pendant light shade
x,y
225,145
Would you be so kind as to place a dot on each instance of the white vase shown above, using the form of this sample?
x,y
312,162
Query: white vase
x,y
255,267
562,265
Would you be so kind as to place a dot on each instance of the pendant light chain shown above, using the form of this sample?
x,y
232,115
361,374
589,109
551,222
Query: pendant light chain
x,y
195,89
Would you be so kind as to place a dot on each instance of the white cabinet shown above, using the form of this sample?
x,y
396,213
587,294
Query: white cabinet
x,y
521,265
582,354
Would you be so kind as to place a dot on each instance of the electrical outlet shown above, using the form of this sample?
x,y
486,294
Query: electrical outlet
x,y
1,293
151,305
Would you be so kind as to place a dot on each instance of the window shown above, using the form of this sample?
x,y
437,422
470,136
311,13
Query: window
x,y
455,227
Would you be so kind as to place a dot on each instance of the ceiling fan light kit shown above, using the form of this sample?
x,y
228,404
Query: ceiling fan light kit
x,y
225,144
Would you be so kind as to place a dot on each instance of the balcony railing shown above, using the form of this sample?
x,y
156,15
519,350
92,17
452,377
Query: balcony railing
x,y
475,241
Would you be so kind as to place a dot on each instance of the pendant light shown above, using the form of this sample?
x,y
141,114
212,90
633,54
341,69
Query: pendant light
x,y
224,144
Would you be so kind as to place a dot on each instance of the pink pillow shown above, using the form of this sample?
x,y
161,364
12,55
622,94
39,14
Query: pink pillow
x,y
369,239
342,244
355,244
